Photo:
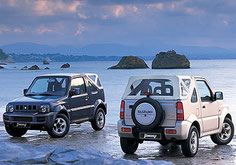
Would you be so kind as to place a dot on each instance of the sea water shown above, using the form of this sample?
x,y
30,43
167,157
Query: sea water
x,y
221,74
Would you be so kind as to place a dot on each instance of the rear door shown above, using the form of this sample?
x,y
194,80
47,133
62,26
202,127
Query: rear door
x,y
158,88
93,94
78,103
209,107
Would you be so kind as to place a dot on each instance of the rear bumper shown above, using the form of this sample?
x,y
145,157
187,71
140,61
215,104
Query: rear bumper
x,y
33,121
182,129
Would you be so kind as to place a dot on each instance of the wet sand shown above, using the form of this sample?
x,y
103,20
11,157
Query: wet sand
x,y
107,141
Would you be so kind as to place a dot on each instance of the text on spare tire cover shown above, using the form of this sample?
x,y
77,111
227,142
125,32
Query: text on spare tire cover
x,y
145,114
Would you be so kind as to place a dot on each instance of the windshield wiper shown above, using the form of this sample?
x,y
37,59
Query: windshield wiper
x,y
41,94
30,94
46,94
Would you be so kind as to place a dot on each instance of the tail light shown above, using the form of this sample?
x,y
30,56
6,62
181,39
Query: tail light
x,y
180,111
171,131
125,129
122,109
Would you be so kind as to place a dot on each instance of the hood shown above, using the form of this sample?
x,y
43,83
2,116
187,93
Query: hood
x,y
37,99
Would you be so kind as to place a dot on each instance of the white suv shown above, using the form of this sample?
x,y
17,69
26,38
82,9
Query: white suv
x,y
176,109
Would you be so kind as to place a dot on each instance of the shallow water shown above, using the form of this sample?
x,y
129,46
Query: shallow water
x,y
220,74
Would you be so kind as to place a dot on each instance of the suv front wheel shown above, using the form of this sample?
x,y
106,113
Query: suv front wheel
x,y
226,134
61,126
190,146
128,145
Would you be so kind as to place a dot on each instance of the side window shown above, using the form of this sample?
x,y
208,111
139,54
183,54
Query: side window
x,y
204,91
183,90
194,96
78,86
91,87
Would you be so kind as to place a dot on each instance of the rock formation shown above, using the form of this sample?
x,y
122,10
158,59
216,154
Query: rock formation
x,y
34,67
130,62
67,65
45,62
170,60
4,58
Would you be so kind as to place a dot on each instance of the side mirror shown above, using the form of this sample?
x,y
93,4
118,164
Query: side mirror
x,y
25,91
218,95
71,93
77,91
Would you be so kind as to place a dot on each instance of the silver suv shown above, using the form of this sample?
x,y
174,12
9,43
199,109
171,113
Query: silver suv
x,y
178,109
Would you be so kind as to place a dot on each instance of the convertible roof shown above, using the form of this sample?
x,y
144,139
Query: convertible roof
x,y
176,79
162,77
68,74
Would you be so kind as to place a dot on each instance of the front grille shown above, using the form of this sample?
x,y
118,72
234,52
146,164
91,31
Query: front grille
x,y
26,107
28,119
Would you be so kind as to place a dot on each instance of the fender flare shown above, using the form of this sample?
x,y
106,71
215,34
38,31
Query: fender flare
x,y
222,116
61,109
194,120
99,103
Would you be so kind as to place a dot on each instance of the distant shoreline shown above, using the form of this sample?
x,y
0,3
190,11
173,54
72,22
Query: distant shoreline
x,y
21,58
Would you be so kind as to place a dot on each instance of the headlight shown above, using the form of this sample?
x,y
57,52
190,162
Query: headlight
x,y
44,108
10,108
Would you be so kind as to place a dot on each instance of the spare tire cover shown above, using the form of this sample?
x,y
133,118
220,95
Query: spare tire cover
x,y
147,113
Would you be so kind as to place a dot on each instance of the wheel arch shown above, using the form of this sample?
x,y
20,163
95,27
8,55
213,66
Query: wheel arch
x,y
99,104
228,116
63,111
103,107
197,125
60,109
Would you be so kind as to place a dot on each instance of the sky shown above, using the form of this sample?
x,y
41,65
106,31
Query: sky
x,y
136,22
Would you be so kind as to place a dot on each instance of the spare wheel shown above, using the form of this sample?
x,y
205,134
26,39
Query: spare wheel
x,y
147,113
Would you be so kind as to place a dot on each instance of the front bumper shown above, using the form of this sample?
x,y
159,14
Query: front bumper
x,y
182,129
33,121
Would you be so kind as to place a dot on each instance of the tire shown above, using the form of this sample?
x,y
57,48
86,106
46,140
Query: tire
x,y
99,120
15,132
61,126
190,146
128,145
158,112
226,134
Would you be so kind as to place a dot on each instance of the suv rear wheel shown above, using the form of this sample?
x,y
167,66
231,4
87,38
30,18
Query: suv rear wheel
x,y
190,146
99,120
15,132
61,126
226,134
128,145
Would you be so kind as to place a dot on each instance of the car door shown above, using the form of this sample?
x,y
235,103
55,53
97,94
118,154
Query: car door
x,y
78,102
93,95
209,107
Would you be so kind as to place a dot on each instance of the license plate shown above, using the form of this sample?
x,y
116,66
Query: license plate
x,y
21,125
150,136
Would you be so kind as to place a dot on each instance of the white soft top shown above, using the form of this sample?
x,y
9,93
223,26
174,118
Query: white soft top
x,y
176,83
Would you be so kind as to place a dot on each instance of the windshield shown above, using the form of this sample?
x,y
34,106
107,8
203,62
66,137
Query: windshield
x,y
48,86
156,87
